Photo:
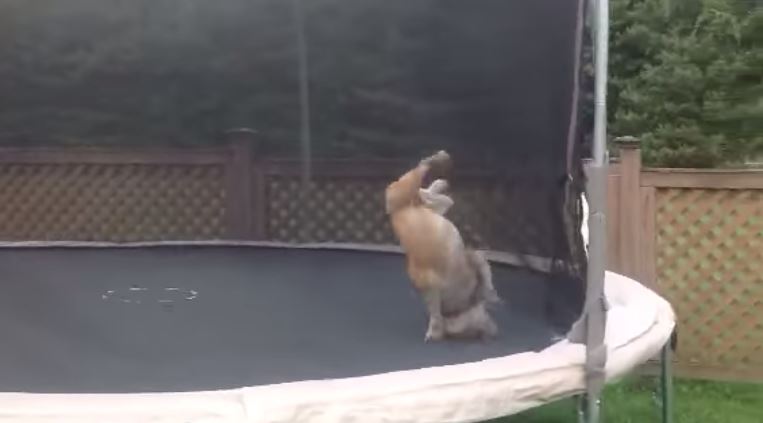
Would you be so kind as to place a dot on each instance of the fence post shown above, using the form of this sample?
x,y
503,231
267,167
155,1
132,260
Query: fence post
x,y
630,229
239,183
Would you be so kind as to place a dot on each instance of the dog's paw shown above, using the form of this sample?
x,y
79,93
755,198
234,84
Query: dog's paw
x,y
492,297
489,329
433,337
441,160
435,332
441,155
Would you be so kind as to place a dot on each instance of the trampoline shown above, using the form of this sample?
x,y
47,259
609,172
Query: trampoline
x,y
224,305
246,331
251,330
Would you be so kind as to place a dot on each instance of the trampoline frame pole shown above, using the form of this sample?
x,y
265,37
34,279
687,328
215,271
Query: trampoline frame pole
x,y
595,322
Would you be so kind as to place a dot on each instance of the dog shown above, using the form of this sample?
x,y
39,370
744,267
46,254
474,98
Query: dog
x,y
435,199
454,282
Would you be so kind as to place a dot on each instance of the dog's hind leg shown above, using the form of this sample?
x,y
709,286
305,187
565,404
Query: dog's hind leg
x,y
474,322
481,266
433,302
429,285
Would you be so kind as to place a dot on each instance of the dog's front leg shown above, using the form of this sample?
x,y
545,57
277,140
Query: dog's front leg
x,y
433,302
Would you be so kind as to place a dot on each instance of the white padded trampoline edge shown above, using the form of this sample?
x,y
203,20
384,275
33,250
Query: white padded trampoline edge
x,y
640,323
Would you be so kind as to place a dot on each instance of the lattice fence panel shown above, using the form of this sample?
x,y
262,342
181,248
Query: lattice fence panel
x,y
710,266
488,215
111,202
352,210
333,210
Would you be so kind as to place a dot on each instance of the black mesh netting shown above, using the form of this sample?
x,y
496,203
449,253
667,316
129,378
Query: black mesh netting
x,y
371,86
491,81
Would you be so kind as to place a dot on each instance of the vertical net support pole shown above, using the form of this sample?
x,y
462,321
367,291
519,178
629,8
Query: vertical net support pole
x,y
595,317
595,320
305,131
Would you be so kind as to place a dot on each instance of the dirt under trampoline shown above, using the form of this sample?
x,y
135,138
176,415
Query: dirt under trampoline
x,y
193,318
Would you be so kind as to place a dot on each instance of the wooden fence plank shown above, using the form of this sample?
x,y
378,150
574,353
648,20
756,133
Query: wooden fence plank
x,y
259,201
703,178
630,222
613,223
83,155
648,272
239,190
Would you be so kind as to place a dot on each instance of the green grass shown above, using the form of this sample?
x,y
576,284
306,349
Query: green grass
x,y
632,401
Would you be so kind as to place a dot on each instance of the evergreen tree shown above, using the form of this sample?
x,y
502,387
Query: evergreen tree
x,y
687,79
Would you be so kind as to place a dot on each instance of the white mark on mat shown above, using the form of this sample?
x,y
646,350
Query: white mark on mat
x,y
108,294
191,295
141,295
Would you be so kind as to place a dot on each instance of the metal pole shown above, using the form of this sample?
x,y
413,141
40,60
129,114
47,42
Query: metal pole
x,y
601,59
305,131
666,383
304,94
582,401
595,301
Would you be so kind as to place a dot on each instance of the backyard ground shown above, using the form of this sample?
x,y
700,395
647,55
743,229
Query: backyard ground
x,y
632,401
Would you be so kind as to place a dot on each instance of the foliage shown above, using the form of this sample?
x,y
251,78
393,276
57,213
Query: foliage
x,y
686,78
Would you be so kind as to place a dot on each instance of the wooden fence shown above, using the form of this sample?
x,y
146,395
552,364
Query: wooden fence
x,y
122,195
695,236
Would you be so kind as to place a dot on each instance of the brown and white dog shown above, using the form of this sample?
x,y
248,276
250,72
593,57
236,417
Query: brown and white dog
x,y
454,282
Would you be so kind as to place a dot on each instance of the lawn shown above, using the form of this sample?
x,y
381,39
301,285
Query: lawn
x,y
632,401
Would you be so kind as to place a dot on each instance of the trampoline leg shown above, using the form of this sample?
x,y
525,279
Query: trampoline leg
x,y
589,409
593,405
581,408
666,384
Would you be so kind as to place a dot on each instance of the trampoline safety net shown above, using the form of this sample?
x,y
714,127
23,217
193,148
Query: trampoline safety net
x,y
271,120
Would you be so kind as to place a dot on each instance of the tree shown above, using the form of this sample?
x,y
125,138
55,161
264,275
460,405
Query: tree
x,y
687,79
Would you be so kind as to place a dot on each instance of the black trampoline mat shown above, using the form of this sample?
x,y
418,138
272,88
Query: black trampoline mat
x,y
199,318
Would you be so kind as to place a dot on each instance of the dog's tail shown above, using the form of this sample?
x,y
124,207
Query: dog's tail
x,y
481,267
